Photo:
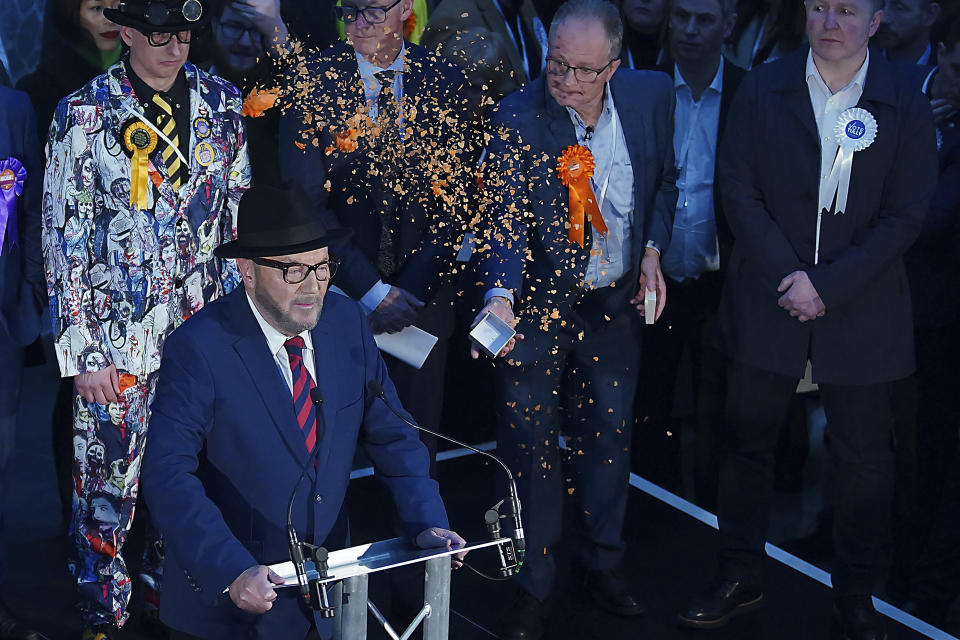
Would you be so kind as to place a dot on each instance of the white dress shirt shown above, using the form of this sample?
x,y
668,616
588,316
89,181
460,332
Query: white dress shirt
x,y
275,341
828,106
693,248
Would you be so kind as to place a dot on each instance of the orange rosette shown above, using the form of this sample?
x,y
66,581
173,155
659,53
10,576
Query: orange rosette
x,y
575,168
258,102
409,26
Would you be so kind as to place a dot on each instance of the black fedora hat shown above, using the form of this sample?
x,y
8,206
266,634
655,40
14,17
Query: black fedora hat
x,y
160,16
277,222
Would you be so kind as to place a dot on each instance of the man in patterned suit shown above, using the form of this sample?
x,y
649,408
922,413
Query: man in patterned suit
x,y
145,166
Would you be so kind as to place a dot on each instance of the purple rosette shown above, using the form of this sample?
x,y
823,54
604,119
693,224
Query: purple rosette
x,y
12,178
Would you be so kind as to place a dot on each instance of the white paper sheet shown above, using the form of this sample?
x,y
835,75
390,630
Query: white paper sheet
x,y
411,345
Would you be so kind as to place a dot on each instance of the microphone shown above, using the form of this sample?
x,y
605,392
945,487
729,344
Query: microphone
x,y
375,389
293,542
589,134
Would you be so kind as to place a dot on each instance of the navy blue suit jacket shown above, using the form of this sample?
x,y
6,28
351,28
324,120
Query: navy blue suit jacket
x,y
226,450
346,191
933,262
528,206
22,285
769,172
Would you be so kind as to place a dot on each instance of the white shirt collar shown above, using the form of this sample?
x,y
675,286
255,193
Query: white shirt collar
x,y
716,84
275,339
858,80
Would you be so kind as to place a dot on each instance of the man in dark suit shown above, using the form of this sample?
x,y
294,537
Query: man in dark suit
x,y
571,282
238,405
697,257
904,33
817,275
22,286
928,435
378,134
511,28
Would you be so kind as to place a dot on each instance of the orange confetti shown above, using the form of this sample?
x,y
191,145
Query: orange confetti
x,y
346,140
127,381
258,102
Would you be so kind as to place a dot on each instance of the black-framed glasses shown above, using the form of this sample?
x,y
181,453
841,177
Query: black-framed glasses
x,y
582,74
162,38
236,30
295,272
373,15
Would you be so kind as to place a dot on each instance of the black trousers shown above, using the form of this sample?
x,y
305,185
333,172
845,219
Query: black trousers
x,y
421,393
929,414
861,462
936,580
687,324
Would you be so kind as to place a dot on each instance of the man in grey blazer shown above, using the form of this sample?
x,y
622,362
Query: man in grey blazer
x,y
568,254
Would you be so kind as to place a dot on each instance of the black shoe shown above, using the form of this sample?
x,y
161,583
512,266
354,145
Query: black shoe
x,y
859,620
524,620
611,593
717,605
12,629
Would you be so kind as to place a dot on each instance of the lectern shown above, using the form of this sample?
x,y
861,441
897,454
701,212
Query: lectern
x,y
346,580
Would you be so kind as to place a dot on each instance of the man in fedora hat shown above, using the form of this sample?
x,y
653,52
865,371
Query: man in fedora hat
x,y
260,385
145,166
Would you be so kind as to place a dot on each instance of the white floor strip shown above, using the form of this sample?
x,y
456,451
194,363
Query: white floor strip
x,y
792,561
695,512
474,623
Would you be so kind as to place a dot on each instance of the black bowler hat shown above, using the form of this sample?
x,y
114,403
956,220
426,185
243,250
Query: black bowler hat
x,y
160,16
277,222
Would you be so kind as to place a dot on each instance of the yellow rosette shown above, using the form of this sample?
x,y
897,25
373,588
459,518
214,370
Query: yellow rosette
x,y
575,168
141,141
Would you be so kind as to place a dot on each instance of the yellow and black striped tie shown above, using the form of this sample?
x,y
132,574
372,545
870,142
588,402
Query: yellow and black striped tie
x,y
168,125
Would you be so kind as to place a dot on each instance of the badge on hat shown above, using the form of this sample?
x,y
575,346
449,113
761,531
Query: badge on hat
x,y
12,178
140,140
156,12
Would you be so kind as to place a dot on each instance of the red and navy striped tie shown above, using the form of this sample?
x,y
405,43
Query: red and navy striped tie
x,y
302,386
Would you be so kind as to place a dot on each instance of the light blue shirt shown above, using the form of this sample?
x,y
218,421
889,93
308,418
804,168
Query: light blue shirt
x,y
371,91
693,246
610,253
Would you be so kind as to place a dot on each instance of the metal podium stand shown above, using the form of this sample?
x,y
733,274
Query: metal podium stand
x,y
347,580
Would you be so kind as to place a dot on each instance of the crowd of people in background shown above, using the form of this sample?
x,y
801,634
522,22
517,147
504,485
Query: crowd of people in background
x,y
696,116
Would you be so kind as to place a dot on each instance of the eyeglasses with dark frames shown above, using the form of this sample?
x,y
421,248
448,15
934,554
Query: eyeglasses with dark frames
x,y
236,30
582,74
162,38
295,272
373,15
